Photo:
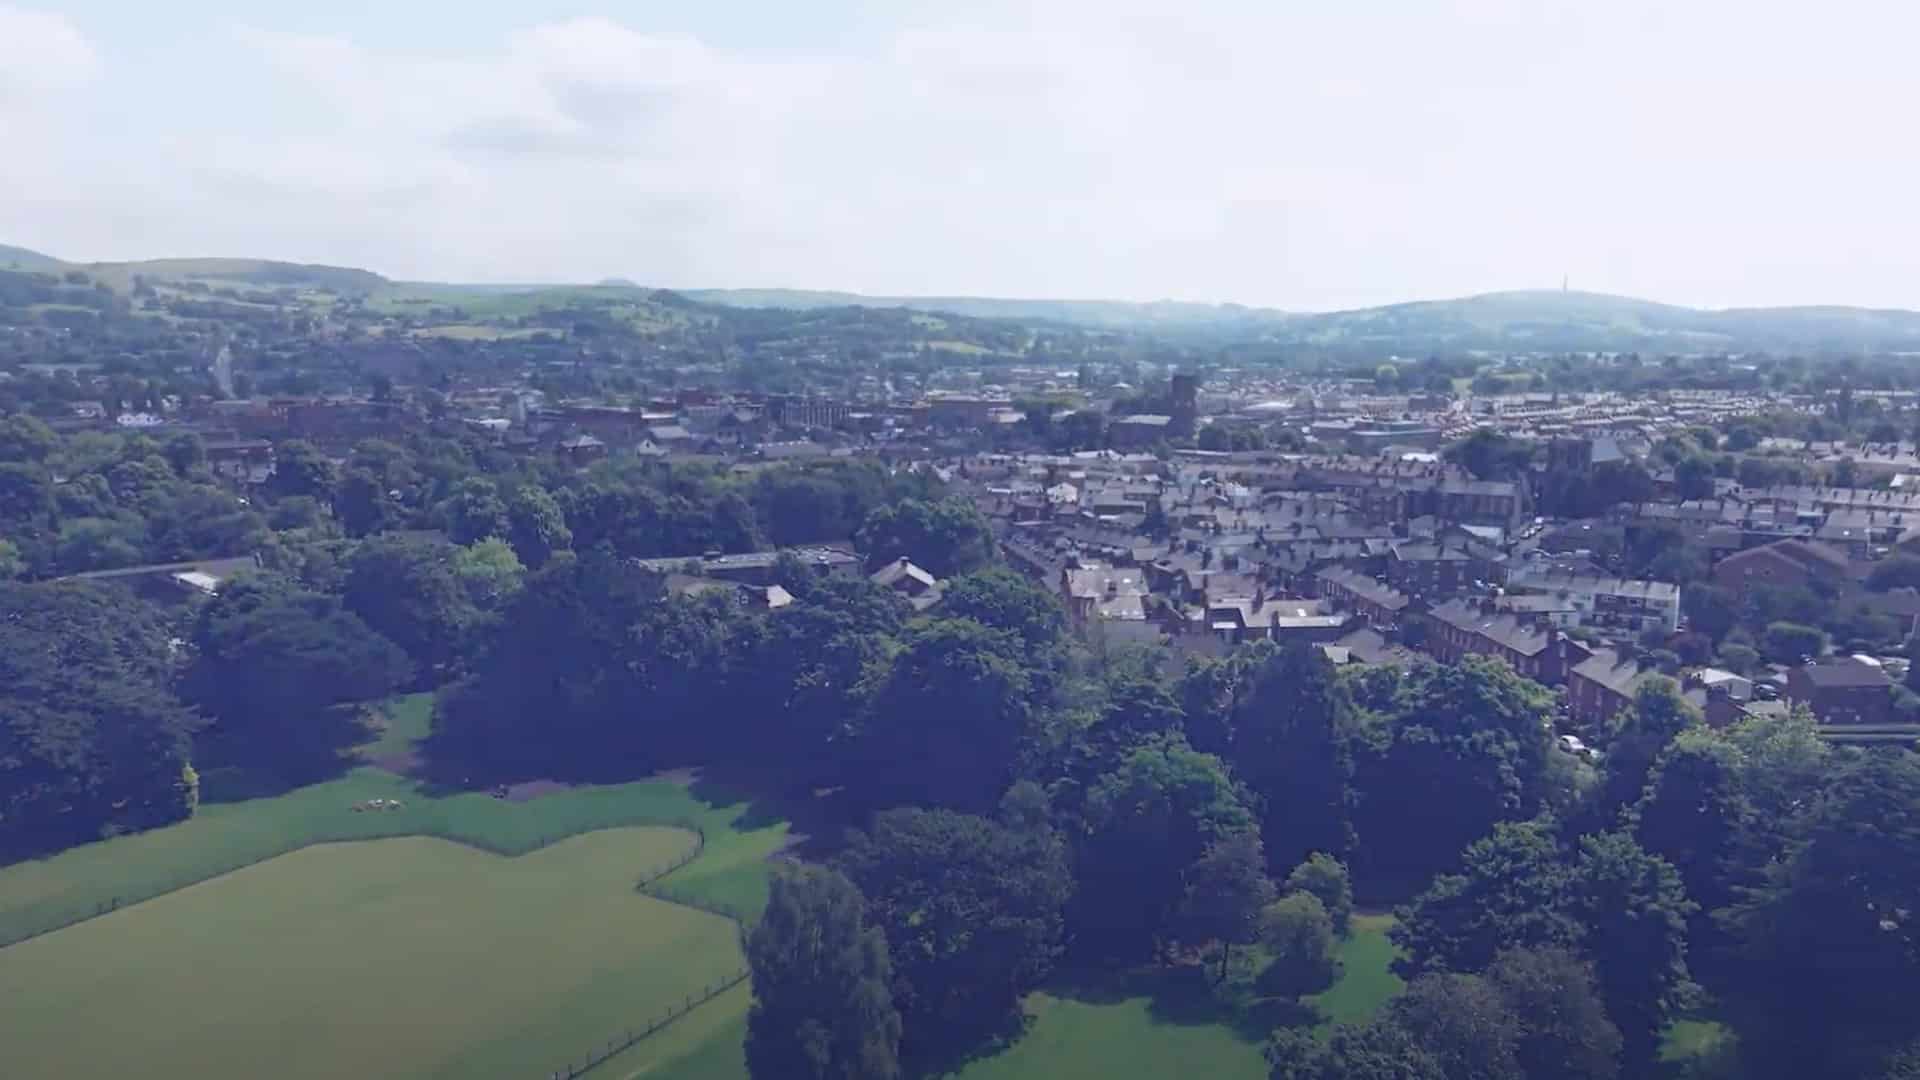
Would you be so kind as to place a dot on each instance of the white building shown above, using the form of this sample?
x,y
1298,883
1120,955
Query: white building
x,y
1606,602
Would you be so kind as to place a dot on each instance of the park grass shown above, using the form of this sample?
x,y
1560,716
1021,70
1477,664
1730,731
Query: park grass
x,y
402,723
43,894
708,1043
1367,980
1132,1026
1093,1038
404,957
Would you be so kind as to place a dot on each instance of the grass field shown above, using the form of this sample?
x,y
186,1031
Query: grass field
x,y
1367,979
1142,1028
221,837
470,936
475,332
410,957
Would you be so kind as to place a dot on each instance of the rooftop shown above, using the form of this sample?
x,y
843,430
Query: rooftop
x,y
1845,672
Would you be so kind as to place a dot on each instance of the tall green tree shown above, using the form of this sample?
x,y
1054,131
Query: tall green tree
x,y
536,526
971,909
1473,739
1565,1032
821,1004
1658,716
1227,888
1149,821
1000,598
93,741
1298,936
946,538
1511,892
271,662
948,720
299,468
1375,1051
1291,747
1463,1022
1325,878
1696,815
476,512
1830,959
490,573
363,504
1635,911
25,438
408,591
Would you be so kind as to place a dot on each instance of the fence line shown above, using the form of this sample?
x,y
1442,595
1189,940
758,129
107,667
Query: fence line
x,y
699,845
342,836
621,1043
599,1055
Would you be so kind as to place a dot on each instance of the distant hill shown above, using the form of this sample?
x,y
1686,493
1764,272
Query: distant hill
x,y
1099,314
1523,321
19,258
1554,320
266,273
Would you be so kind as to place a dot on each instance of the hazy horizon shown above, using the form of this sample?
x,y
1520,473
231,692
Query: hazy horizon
x,y
1275,155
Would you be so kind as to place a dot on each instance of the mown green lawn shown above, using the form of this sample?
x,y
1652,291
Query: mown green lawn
x,y
411,957
1366,980
1135,1028
222,837
459,935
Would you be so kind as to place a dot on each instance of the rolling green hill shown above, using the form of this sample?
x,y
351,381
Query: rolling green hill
x,y
1538,320
19,258
1535,320
1554,320
265,273
1097,314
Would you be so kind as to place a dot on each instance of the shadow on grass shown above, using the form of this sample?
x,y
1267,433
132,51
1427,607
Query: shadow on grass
x,y
816,822
1186,995
257,765
961,1049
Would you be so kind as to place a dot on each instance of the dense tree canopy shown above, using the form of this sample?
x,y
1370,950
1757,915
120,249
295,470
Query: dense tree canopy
x,y
408,591
93,741
1831,942
1473,741
971,909
946,538
1149,822
1291,730
948,719
270,662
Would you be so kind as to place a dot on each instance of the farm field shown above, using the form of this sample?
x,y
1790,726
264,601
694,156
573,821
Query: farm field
x,y
458,935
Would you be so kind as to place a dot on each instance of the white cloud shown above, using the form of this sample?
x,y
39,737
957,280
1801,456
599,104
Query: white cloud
x,y
1307,155
42,51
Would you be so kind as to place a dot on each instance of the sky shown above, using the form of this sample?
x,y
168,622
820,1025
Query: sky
x,y
1301,155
